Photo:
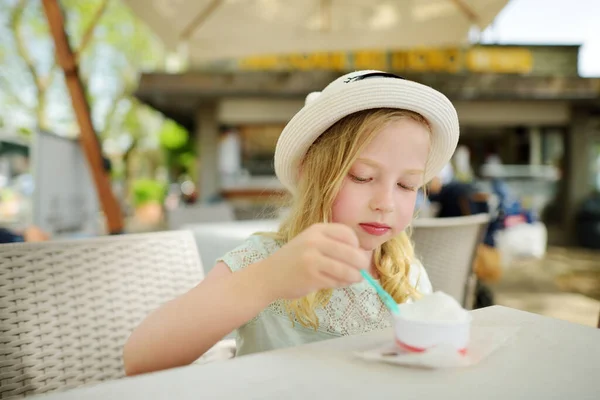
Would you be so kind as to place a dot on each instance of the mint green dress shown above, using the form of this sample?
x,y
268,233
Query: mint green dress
x,y
353,310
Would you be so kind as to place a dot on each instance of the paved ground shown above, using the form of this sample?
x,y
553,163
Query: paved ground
x,y
565,285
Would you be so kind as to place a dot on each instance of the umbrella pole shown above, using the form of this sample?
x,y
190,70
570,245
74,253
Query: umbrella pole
x,y
87,139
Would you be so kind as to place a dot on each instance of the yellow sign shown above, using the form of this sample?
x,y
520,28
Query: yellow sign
x,y
499,60
450,60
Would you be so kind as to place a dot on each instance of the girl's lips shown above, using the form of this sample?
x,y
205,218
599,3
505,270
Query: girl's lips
x,y
376,229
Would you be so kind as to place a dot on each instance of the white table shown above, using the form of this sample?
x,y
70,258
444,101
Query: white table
x,y
549,359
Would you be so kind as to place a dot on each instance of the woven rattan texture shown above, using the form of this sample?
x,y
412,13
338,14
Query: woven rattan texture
x,y
67,308
447,253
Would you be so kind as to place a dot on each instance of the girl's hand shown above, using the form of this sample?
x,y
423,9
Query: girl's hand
x,y
324,256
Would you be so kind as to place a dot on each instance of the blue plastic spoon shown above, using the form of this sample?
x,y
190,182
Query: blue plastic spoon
x,y
385,297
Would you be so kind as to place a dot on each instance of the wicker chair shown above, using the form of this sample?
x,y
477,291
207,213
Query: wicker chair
x,y
447,247
67,307
216,239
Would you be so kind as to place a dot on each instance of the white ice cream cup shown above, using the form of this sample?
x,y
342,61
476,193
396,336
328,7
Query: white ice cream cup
x,y
418,336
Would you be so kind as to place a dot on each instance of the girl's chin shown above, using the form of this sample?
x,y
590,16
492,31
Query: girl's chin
x,y
372,243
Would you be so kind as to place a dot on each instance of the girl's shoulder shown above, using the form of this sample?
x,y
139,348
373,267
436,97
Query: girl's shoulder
x,y
256,248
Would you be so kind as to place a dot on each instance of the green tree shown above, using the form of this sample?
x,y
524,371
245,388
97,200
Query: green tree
x,y
179,150
112,47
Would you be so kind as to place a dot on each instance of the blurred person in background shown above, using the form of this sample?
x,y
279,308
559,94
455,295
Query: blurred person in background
x,y
31,234
455,198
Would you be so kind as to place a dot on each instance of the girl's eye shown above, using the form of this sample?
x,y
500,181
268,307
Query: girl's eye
x,y
359,179
407,187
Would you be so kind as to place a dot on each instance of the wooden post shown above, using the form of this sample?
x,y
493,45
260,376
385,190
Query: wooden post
x,y
87,138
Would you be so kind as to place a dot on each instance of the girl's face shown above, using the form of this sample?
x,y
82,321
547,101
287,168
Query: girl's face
x,y
377,197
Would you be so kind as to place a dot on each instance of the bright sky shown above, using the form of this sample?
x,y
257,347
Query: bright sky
x,y
552,22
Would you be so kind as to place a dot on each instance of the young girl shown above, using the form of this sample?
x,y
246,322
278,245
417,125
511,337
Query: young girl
x,y
353,159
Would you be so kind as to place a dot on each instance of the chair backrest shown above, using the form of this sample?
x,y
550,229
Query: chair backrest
x,y
447,247
67,307
215,239
219,212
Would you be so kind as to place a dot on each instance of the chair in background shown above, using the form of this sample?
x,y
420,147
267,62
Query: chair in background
x,y
181,216
447,248
215,239
67,307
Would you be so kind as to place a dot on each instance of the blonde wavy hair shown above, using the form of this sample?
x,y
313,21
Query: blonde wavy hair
x,y
324,167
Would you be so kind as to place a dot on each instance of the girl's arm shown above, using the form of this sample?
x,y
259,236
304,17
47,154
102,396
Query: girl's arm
x,y
324,256
181,331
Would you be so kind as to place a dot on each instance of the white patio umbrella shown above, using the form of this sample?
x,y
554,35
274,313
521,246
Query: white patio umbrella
x,y
217,29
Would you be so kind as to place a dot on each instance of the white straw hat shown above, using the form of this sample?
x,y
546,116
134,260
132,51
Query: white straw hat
x,y
363,90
